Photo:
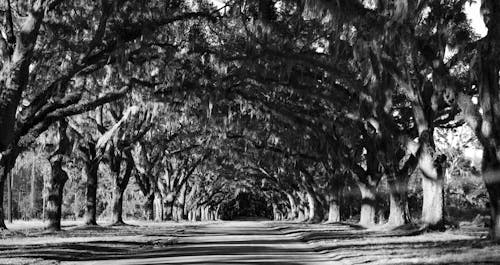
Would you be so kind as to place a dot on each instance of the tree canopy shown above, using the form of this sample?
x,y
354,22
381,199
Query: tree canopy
x,y
296,105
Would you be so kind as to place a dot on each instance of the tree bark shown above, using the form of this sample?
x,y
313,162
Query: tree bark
x,y
333,211
433,203
429,164
487,126
197,213
158,207
334,204
301,215
367,214
55,188
399,213
491,176
7,161
9,197
117,206
2,222
315,209
120,184
33,189
168,210
316,213
57,179
14,74
432,170
293,213
149,207
180,203
91,170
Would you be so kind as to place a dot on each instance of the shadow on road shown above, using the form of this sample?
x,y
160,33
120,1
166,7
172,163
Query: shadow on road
x,y
236,242
261,242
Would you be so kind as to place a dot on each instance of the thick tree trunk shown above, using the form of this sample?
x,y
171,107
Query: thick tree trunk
x,y
315,209
293,213
301,215
489,93
198,213
7,161
149,207
399,213
176,212
91,196
180,203
431,167
168,210
55,188
204,213
14,74
2,222
117,206
433,203
158,207
57,179
9,197
120,184
333,211
432,183
491,176
334,204
367,214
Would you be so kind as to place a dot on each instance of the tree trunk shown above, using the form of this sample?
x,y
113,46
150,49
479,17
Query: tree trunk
x,y
367,215
399,213
33,190
168,210
120,184
9,197
333,212
149,207
315,209
91,170
489,89
301,215
158,207
430,165
14,74
57,179
491,176
293,213
176,212
117,206
432,187
275,212
217,213
55,188
7,161
2,222
180,203
198,213
334,204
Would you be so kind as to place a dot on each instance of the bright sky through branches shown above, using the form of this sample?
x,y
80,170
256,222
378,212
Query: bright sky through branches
x,y
472,11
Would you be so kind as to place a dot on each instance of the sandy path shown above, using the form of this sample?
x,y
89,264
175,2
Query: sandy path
x,y
238,242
